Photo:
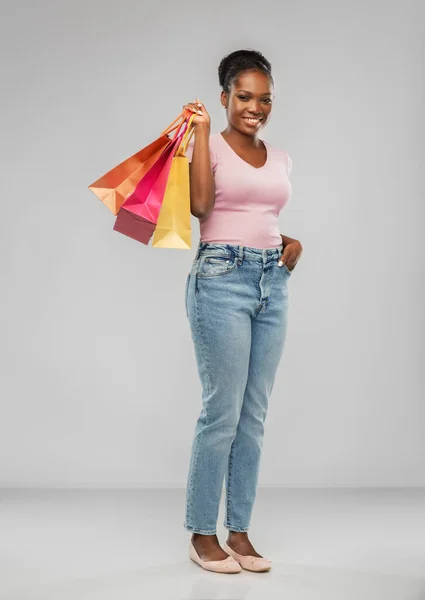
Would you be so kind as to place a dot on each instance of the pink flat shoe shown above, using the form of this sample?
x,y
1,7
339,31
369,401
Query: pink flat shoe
x,y
249,563
228,565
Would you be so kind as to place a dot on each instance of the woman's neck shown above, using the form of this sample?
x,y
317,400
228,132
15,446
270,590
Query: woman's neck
x,y
240,139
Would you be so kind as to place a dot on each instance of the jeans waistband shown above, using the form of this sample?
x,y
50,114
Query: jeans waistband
x,y
241,252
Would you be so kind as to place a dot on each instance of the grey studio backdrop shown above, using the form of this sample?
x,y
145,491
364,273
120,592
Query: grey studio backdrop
x,y
99,385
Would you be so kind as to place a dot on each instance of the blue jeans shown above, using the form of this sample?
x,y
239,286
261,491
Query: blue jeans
x,y
237,306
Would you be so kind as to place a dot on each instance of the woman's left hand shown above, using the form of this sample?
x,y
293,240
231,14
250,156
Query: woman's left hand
x,y
291,254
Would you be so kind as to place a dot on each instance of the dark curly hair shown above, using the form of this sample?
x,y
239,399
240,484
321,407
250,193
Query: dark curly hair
x,y
241,60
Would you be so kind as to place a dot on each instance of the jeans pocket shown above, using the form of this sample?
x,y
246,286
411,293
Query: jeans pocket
x,y
215,265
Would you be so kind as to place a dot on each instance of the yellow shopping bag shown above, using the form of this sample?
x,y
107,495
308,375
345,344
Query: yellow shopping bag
x,y
173,229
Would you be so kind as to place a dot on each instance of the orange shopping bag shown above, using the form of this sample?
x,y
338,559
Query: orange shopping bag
x,y
119,183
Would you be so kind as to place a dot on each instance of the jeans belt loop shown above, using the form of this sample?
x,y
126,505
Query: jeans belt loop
x,y
240,256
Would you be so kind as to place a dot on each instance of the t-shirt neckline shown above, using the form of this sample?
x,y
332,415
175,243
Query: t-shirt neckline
x,y
244,161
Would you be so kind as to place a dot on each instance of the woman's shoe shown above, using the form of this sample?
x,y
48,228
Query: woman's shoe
x,y
249,563
228,565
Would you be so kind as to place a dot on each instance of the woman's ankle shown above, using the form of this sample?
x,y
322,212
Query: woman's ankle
x,y
197,536
238,534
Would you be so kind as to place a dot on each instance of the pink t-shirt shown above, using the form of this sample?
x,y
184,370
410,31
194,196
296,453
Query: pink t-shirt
x,y
248,200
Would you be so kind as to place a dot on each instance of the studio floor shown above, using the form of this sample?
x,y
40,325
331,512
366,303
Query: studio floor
x,y
325,544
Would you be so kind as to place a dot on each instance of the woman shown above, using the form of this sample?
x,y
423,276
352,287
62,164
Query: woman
x,y
236,303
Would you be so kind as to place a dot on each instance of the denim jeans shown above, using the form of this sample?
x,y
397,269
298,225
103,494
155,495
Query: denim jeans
x,y
237,307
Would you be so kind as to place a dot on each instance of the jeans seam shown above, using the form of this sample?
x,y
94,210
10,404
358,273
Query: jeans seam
x,y
203,356
239,529
190,484
208,387
229,481
202,531
186,294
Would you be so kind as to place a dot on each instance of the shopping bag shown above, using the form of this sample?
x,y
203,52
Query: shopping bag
x,y
130,221
138,215
173,229
118,184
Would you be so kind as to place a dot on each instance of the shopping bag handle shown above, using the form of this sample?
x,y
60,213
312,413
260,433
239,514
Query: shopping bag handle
x,y
181,118
187,136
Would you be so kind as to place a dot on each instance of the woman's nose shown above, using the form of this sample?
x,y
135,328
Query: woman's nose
x,y
255,107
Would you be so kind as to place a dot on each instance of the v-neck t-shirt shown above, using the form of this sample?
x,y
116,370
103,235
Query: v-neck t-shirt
x,y
248,200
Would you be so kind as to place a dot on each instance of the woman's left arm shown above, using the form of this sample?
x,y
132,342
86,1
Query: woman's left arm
x,y
292,250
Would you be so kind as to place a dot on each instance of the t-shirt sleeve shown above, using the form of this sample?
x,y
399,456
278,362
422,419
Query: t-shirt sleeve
x,y
288,164
213,153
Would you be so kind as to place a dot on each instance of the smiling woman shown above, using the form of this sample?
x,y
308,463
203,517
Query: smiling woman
x,y
236,301
245,96
248,98
239,182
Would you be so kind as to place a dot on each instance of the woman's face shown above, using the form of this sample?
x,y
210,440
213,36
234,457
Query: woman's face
x,y
250,97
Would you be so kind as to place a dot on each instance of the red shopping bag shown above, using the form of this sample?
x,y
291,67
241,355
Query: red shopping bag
x,y
138,215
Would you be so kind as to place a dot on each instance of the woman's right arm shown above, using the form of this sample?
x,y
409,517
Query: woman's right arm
x,y
202,185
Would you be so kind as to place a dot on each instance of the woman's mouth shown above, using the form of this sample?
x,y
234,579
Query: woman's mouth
x,y
252,121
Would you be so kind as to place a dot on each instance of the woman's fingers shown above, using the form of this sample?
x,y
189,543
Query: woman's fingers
x,y
199,109
284,258
193,108
196,106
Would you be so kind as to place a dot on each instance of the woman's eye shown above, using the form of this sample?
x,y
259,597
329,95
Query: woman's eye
x,y
267,100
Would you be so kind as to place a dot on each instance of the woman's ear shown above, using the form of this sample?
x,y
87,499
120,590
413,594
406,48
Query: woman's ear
x,y
224,99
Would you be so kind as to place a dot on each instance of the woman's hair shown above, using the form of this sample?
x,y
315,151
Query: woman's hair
x,y
241,60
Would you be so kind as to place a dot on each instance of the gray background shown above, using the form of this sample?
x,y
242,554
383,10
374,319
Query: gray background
x,y
98,378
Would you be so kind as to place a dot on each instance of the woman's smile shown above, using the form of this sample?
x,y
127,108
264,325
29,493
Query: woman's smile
x,y
252,121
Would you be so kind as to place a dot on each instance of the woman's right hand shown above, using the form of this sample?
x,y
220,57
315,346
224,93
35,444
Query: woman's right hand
x,y
202,116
